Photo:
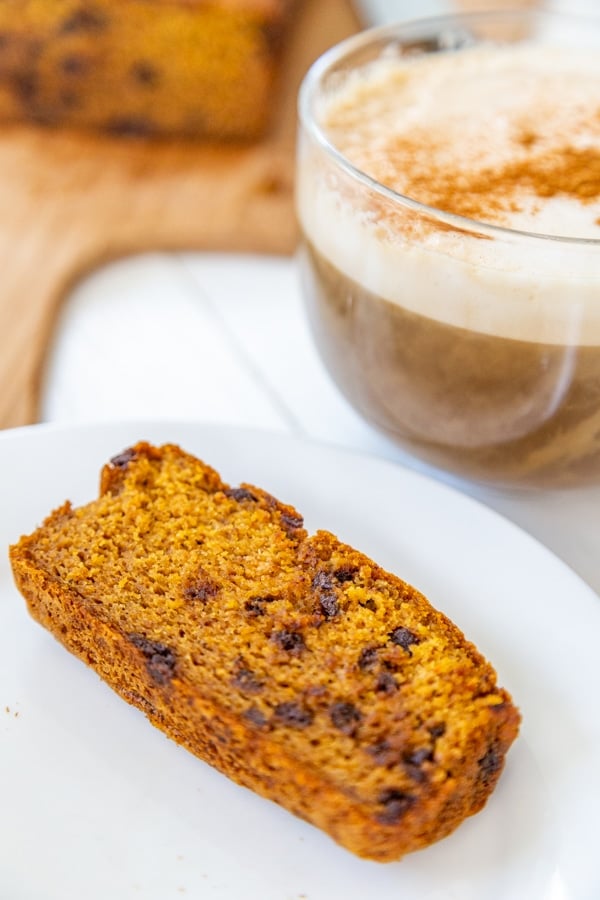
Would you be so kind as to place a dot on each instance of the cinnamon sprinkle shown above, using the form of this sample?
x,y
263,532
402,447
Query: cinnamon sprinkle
x,y
535,135
490,192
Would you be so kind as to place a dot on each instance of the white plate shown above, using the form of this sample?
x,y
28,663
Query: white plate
x,y
96,804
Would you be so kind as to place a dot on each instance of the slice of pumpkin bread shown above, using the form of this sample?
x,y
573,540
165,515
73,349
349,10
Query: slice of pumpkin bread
x,y
196,68
293,664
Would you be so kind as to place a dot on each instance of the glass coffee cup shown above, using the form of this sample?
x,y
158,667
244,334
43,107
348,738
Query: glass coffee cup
x,y
448,196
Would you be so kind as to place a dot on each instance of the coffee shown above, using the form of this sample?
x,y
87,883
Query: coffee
x,y
484,406
475,346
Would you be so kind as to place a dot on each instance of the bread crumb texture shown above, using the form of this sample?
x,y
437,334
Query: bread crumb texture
x,y
292,663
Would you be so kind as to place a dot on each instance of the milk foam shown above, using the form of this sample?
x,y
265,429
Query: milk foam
x,y
530,289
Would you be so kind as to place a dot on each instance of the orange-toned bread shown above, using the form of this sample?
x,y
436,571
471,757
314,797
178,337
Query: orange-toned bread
x,y
176,67
293,664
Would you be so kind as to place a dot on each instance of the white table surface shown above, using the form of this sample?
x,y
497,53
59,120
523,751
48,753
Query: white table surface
x,y
223,338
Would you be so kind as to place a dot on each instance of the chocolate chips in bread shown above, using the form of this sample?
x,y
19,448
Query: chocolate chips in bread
x,y
292,663
143,67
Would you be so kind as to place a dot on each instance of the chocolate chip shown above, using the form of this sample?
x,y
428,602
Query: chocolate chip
x,y
256,605
290,521
160,659
386,683
122,460
383,754
413,762
131,127
329,605
69,99
345,716
25,85
345,573
416,773
436,731
396,803
202,589
490,764
322,581
367,658
239,494
403,637
328,602
255,716
291,641
419,756
293,714
84,20
246,681
75,64
145,73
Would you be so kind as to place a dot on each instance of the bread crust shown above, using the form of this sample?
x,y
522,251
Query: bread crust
x,y
257,753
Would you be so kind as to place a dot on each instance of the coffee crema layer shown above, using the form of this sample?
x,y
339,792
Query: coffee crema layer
x,y
504,135
470,128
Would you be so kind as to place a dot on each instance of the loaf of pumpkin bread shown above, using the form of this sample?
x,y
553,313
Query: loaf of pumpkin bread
x,y
174,67
292,663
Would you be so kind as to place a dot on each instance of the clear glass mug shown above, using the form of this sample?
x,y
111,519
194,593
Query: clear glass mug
x,y
478,351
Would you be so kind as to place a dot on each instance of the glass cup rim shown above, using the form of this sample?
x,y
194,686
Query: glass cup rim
x,y
380,33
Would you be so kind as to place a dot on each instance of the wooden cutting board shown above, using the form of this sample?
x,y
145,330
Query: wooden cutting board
x,y
70,202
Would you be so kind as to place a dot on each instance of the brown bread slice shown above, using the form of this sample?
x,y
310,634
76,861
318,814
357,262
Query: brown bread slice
x,y
168,67
293,664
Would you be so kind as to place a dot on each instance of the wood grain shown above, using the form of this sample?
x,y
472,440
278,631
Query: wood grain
x,y
73,201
